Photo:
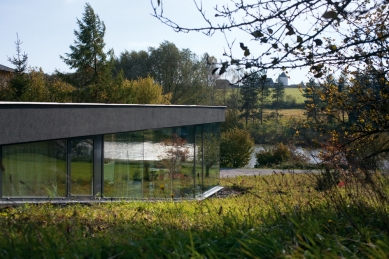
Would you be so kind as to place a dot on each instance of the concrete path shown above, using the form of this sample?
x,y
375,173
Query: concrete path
x,y
233,172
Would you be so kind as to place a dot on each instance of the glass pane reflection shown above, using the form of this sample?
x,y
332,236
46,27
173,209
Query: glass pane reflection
x,y
34,169
211,155
123,165
82,167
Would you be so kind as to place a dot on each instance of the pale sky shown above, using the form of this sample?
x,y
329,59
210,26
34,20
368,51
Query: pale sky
x,y
46,29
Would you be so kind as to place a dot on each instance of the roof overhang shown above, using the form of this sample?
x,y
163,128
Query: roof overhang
x,y
27,122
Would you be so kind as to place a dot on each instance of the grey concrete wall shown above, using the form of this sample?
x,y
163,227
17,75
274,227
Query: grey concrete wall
x,y
27,122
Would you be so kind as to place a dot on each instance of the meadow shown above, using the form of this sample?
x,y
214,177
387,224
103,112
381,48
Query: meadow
x,y
276,216
295,92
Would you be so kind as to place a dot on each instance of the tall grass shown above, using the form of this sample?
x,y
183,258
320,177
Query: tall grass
x,y
278,216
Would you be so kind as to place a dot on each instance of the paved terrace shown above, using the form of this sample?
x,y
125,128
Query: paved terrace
x,y
233,172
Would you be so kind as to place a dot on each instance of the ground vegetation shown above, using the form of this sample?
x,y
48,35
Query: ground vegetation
x,y
280,215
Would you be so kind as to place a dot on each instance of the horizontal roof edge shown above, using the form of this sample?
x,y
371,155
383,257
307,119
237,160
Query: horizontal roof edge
x,y
28,122
105,104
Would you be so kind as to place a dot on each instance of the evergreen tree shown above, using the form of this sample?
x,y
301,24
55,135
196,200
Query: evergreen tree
x,y
312,99
19,80
313,103
277,95
249,92
263,99
87,54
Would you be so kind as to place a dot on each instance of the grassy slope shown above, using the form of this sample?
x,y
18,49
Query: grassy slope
x,y
295,92
280,216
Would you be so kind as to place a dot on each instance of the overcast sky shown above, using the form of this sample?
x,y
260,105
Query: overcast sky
x,y
46,29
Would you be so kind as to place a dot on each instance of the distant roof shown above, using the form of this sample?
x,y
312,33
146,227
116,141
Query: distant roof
x,y
224,83
4,68
269,81
283,75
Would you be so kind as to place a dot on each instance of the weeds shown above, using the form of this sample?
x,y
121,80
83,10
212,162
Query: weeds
x,y
280,215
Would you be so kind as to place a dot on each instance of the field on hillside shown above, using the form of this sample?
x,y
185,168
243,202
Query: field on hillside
x,y
295,92
289,113
276,216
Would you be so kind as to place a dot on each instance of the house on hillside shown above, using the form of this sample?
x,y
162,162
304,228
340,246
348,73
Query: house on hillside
x,y
224,84
283,78
5,72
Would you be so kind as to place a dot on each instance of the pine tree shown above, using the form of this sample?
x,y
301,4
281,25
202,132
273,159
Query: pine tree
x,y
312,99
277,94
87,54
249,96
263,99
19,81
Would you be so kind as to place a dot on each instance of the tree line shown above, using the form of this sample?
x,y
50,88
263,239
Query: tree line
x,y
163,74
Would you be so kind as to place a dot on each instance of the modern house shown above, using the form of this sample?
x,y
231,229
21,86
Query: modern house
x,y
87,152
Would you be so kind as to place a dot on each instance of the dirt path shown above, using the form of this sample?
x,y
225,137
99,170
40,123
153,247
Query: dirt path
x,y
233,172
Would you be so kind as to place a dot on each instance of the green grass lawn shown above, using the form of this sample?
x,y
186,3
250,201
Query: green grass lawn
x,y
279,216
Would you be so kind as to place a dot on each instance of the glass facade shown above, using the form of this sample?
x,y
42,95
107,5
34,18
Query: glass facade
x,y
123,165
34,169
81,173
178,162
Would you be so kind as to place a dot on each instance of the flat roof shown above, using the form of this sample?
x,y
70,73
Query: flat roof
x,y
35,121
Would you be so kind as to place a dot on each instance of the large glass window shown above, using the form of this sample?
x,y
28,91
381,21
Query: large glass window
x,y
182,147
81,167
178,162
123,165
158,164
198,181
211,155
34,169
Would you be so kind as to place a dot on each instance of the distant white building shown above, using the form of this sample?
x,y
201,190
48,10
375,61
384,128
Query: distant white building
x,y
283,78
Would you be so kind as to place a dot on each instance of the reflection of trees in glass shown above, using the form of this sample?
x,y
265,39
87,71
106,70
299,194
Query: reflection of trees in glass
x,y
82,148
211,151
176,152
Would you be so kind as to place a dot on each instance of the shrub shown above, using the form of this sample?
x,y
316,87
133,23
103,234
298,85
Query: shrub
x,y
236,147
282,156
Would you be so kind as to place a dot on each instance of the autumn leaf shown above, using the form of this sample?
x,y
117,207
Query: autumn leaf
x,y
246,52
299,39
257,34
290,30
270,31
330,15
318,42
333,48
242,46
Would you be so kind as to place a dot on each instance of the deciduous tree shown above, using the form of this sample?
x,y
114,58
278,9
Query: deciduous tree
x,y
236,147
319,34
